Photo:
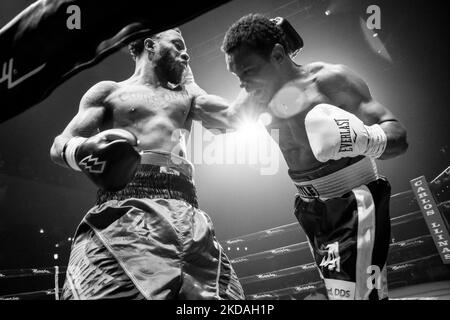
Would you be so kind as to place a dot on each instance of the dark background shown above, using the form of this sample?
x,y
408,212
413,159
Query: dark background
x,y
409,75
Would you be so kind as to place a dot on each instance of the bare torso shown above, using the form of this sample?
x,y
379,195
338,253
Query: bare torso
x,y
157,116
160,118
293,140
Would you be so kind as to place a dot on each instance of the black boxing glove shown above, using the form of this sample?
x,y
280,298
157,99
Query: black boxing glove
x,y
108,158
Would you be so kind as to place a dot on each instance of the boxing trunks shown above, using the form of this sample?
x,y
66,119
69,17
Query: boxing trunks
x,y
345,216
150,241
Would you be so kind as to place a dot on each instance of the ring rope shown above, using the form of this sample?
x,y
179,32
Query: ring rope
x,y
295,226
31,294
268,254
20,273
286,291
399,267
408,217
405,218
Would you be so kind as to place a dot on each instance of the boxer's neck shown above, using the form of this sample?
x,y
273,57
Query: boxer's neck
x,y
291,71
145,73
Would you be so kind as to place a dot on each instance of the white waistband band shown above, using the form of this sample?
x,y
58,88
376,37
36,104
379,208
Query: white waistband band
x,y
340,182
168,160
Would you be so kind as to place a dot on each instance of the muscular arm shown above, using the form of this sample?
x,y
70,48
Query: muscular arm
x,y
213,112
348,91
217,113
86,122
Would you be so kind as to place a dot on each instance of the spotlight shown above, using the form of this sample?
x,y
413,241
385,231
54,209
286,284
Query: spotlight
x,y
237,248
375,35
245,248
327,13
265,119
57,245
41,231
55,256
248,129
69,239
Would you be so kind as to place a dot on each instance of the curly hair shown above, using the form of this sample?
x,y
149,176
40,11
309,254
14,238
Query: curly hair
x,y
255,31
137,47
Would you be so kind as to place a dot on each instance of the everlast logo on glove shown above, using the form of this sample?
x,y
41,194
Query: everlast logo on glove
x,y
334,133
346,137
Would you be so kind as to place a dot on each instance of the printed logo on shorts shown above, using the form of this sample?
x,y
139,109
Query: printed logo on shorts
x,y
332,260
307,191
85,279
339,289
168,170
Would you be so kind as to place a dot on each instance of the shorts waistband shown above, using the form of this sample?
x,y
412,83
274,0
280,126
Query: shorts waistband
x,y
153,182
168,162
340,182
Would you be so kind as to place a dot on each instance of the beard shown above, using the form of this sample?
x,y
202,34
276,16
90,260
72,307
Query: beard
x,y
168,68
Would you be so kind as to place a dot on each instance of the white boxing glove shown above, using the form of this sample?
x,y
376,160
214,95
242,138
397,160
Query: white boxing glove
x,y
334,133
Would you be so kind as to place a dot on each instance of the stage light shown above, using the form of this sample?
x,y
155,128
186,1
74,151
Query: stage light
x,y
57,245
248,130
265,119
55,256
327,13
69,239
41,231
374,41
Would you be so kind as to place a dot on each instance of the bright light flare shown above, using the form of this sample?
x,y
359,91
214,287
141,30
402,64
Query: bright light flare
x,y
249,131
265,119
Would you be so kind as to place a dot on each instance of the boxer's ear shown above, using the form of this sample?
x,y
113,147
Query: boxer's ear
x,y
278,54
149,45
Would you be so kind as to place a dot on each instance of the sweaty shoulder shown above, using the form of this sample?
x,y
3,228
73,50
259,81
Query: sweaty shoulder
x,y
339,82
315,67
327,72
98,93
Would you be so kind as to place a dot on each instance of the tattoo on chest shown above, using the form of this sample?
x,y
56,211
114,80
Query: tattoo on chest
x,y
154,98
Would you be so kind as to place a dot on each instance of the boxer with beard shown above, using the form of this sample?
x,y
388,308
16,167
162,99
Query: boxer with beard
x,y
145,238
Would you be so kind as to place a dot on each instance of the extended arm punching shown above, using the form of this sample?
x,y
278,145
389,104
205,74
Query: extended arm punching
x,y
214,112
